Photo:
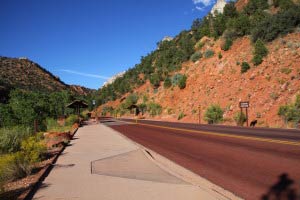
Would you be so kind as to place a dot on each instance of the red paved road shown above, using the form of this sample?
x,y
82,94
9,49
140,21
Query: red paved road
x,y
247,168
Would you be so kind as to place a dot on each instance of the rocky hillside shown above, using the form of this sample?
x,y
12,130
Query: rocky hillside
x,y
25,74
253,65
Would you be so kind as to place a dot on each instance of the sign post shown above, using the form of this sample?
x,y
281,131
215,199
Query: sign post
x,y
245,104
199,110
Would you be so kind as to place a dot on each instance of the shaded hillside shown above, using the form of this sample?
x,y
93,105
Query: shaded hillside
x,y
24,74
244,54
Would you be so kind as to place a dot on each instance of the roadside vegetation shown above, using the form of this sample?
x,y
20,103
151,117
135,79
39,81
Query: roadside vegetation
x,y
290,113
214,114
21,148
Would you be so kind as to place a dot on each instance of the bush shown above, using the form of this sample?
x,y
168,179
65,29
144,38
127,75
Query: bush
x,y
155,80
227,44
254,5
13,166
240,118
167,83
11,138
143,108
176,79
181,115
291,112
209,53
6,171
260,51
71,120
214,114
54,126
220,55
280,24
182,82
33,149
284,4
196,56
154,109
245,67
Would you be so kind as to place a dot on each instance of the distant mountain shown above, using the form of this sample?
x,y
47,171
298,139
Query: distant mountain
x,y
24,74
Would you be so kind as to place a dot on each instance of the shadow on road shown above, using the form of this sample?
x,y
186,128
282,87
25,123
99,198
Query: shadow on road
x,y
283,189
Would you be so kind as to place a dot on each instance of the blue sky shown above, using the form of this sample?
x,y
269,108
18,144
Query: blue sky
x,y
86,41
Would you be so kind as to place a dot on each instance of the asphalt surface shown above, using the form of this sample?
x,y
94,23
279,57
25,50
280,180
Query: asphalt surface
x,y
248,162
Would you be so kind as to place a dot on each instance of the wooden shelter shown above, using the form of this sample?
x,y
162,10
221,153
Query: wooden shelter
x,y
76,105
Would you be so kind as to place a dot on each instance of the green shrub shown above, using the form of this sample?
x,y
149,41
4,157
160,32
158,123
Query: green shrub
x,y
213,114
286,70
71,120
155,80
11,138
254,5
245,67
196,56
182,82
132,99
176,78
209,53
220,55
275,25
33,149
180,116
143,108
167,83
284,4
274,96
240,118
200,45
260,51
13,166
154,109
291,112
227,44
6,171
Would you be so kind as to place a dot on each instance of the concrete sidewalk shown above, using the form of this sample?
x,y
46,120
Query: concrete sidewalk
x,y
101,164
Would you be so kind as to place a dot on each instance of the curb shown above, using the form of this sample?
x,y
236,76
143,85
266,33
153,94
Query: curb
x,y
185,174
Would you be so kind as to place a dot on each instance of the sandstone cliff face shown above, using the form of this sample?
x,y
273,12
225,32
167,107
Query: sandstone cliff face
x,y
218,7
219,81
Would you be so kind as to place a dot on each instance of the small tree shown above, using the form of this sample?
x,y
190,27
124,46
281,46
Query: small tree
x,y
260,51
290,112
196,56
182,82
240,118
167,83
245,67
214,114
155,80
227,44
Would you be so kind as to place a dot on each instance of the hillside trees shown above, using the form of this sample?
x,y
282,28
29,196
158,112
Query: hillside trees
x,y
260,51
24,107
279,24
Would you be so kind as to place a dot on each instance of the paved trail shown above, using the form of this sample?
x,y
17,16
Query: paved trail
x,y
102,164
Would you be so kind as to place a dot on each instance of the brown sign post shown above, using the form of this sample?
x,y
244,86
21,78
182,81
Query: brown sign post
x,y
199,109
245,104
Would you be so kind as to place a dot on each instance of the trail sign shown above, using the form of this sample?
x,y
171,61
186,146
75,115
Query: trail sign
x,y
244,104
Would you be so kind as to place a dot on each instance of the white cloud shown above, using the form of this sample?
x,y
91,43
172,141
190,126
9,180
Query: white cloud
x,y
204,2
199,8
84,74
